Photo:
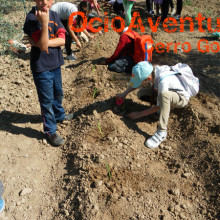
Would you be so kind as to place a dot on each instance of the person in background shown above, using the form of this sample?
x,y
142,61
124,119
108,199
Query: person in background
x,y
128,4
117,6
173,10
64,10
149,7
179,7
124,49
158,4
95,7
165,9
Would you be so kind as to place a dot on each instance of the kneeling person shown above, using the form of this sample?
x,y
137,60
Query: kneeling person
x,y
121,60
171,94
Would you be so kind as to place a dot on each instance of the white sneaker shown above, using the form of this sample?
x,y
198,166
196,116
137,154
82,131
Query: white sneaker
x,y
156,139
173,12
71,57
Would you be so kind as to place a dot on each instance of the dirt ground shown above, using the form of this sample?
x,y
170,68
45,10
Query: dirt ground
x,y
104,171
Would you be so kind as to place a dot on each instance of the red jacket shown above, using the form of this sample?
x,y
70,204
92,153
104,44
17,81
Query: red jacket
x,y
125,47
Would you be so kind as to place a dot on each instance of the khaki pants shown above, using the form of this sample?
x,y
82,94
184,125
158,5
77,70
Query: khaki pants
x,y
167,101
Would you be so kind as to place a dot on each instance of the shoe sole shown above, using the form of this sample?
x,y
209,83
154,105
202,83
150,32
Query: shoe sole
x,y
153,147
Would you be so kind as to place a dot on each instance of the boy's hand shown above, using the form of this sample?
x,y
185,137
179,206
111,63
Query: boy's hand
x,y
42,16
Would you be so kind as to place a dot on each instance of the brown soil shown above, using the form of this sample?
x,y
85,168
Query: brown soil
x,y
104,171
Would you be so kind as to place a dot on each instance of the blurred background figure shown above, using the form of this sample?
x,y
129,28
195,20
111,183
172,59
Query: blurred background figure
x,y
179,7
128,4
2,202
173,10
150,7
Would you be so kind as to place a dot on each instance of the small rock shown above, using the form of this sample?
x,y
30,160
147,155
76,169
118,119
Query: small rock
x,y
168,148
125,141
115,140
177,208
171,208
184,206
44,141
23,200
66,212
95,113
18,203
98,183
25,191
186,175
182,216
175,192
101,157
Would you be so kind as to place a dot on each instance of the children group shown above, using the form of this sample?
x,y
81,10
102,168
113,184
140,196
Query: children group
x,y
48,29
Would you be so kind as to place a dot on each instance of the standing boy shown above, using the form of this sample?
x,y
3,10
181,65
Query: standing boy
x,y
171,94
46,35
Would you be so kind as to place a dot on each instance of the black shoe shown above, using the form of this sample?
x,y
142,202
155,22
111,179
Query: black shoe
x,y
55,139
69,117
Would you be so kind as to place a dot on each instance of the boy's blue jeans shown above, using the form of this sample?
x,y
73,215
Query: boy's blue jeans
x,y
50,94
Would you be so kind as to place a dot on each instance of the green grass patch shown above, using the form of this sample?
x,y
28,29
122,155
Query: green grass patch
x,y
187,2
96,92
109,172
100,129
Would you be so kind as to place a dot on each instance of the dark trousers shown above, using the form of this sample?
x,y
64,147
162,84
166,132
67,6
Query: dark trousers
x,y
149,4
118,7
122,64
50,94
68,41
171,4
165,9
179,7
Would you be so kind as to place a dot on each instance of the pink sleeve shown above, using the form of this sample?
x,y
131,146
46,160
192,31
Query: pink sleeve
x,y
36,35
61,33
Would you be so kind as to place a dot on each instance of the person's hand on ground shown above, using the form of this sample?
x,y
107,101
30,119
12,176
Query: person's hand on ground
x,y
120,96
92,36
78,44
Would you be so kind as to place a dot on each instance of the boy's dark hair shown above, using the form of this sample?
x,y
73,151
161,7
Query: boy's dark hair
x,y
117,23
84,7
